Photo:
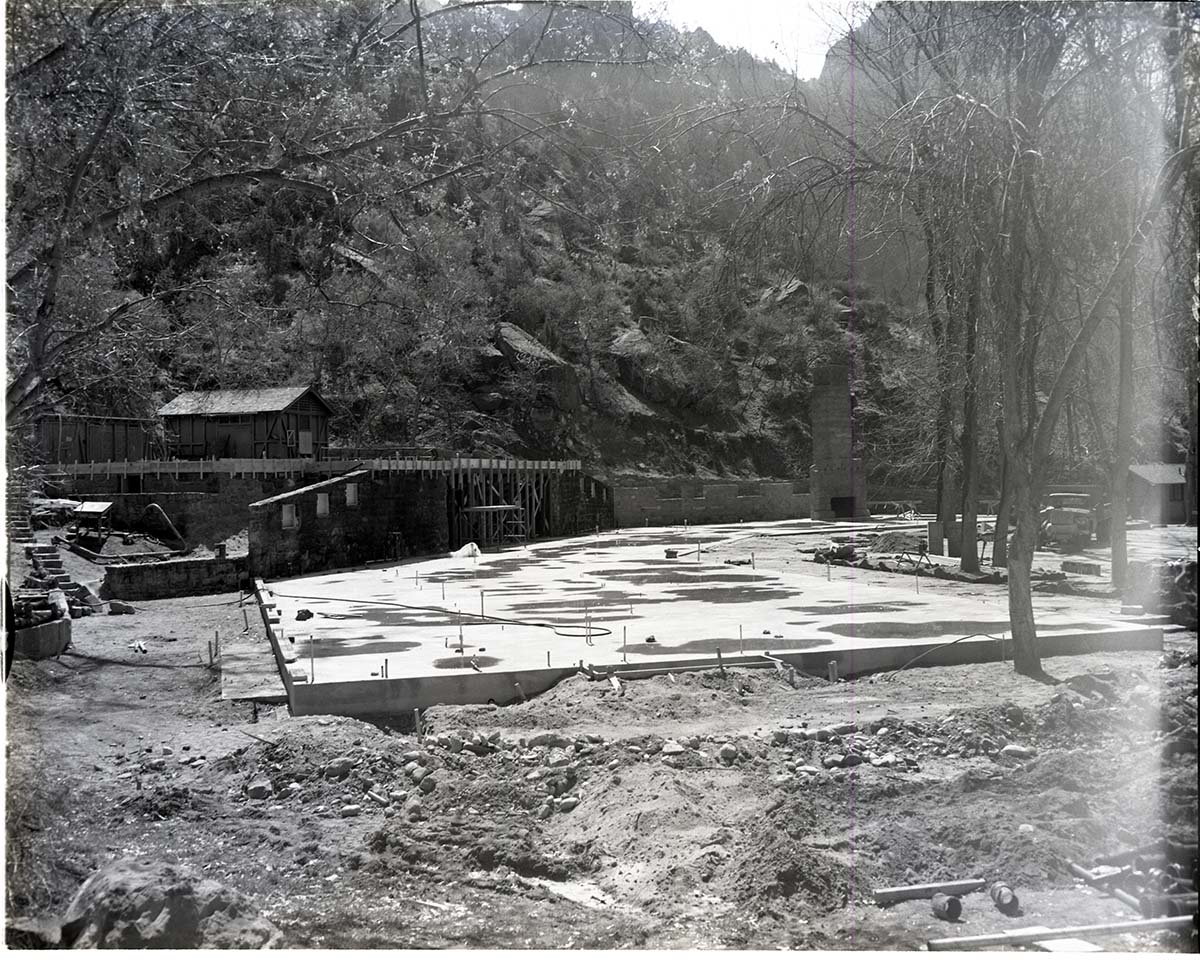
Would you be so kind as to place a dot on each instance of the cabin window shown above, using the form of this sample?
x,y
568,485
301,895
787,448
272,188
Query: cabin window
x,y
351,494
1175,494
322,504
306,443
290,519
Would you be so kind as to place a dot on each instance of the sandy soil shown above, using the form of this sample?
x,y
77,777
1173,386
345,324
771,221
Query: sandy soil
x,y
587,818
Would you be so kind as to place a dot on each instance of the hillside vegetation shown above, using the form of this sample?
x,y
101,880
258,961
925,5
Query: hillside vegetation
x,y
536,229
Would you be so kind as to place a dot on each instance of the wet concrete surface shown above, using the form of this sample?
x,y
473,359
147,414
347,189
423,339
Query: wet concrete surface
x,y
536,601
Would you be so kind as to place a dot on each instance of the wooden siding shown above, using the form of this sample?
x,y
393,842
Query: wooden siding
x,y
76,438
269,435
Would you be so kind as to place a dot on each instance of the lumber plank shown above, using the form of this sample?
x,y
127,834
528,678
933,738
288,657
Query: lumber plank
x,y
962,886
1028,936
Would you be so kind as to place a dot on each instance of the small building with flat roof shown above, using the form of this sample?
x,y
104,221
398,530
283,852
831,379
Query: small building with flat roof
x,y
1156,492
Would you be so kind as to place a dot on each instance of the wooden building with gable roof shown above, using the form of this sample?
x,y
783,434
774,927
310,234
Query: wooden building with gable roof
x,y
290,422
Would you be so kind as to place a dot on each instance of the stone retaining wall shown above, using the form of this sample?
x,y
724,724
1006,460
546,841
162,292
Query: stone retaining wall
x,y
578,504
668,502
44,640
182,577
396,515
202,518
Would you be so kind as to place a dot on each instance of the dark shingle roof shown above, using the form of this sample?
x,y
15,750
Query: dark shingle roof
x,y
238,401
1160,473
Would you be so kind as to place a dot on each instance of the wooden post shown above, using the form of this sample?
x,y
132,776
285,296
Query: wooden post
x,y
312,665
720,662
833,671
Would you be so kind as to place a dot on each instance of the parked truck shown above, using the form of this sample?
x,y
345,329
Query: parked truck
x,y
1073,520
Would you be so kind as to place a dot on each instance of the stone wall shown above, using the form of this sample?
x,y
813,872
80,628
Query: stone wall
x,y
837,483
397,515
181,577
668,502
44,640
201,517
578,504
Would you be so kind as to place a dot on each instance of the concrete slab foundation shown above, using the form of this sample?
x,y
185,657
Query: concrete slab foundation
x,y
511,624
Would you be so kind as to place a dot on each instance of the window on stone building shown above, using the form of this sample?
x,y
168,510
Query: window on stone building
x,y
290,519
351,494
322,504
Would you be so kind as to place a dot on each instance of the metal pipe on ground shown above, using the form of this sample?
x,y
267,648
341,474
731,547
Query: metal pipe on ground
x,y
1004,898
1153,906
1102,885
946,907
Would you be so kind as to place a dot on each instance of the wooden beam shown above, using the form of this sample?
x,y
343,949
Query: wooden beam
x,y
1027,936
962,886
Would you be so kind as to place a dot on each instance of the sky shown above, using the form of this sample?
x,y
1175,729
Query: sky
x,y
793,33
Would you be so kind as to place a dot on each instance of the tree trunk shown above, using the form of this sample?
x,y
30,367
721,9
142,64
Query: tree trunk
x,y
969,559
1123,438
1026,660
1000,544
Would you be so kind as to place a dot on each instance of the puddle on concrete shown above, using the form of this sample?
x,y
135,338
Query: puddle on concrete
x,y
909,631
731,594
464,663
640,579
729,646
352,648
837,608
395,617
958,628
614,602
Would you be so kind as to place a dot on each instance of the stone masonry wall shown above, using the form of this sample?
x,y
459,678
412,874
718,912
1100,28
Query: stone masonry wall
x,y
668,502
182,577
201,518
397,515
578,504
837,481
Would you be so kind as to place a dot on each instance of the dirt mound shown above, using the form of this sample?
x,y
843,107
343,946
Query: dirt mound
x,y
778,860
652,701
965,828
146,904
159,803
896,543
453,845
